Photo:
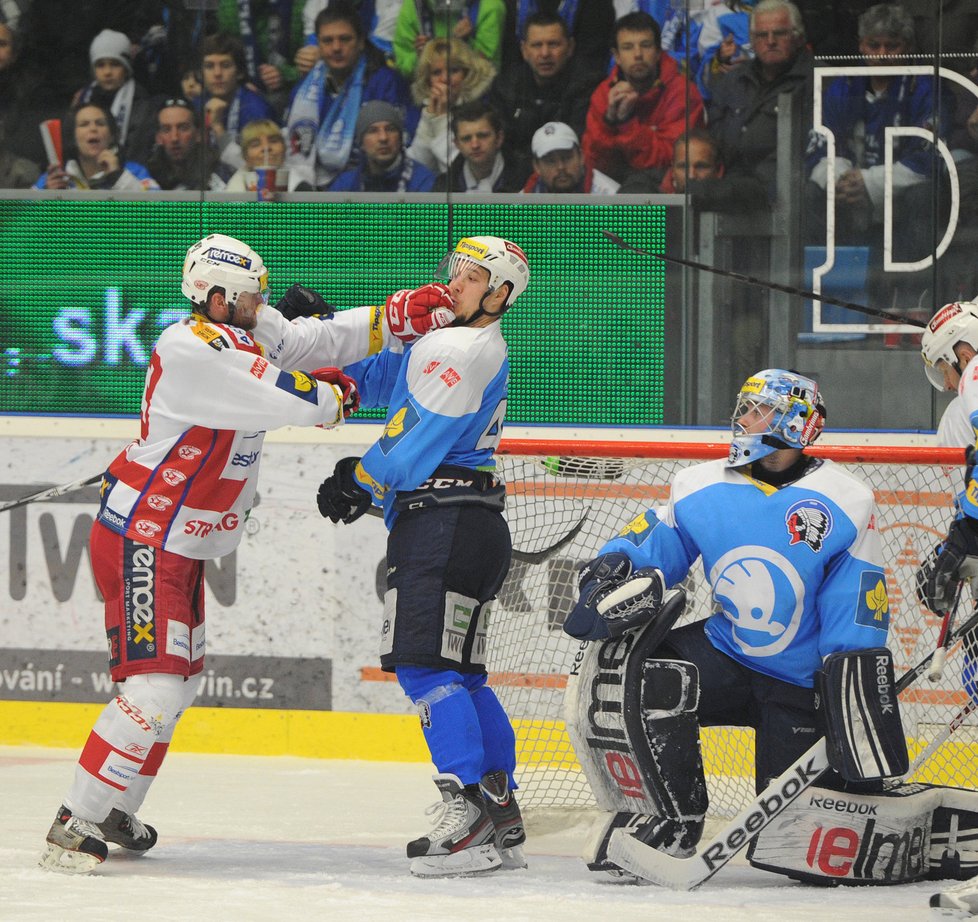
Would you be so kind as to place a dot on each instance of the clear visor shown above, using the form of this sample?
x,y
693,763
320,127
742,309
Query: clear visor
x,y
454,264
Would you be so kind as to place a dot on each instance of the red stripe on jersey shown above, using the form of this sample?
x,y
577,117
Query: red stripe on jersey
x,y
94,756
209,489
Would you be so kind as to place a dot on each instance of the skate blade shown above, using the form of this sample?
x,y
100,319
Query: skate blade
x,y
512,858
469,862
64,861
942,907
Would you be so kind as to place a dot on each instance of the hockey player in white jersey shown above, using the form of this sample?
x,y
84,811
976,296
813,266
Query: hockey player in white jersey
x,y
448,550
790,549
178,496
949,347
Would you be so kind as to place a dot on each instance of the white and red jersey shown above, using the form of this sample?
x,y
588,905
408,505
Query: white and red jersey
x,y
211,392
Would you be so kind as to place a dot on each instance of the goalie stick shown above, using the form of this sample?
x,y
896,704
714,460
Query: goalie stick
x,y
51,493
688,873
762,283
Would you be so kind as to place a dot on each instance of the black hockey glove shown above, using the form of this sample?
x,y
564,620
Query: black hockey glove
x,y
956,560
340,497
300,301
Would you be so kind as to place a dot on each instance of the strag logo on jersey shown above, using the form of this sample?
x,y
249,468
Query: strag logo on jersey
x,y
173,477
762,596
226,256
188,452
159,502
809,521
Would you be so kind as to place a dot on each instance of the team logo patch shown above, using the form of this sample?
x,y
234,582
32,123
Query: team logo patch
x,y
173,477
808,521
399,425
159,502
298,384
873,605
430,367
188,452
146,528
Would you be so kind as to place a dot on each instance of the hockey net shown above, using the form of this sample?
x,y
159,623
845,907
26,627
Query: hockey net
x,y
566,499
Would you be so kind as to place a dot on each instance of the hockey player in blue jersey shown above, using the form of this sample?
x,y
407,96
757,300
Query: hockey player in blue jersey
x,y
790,548
449,546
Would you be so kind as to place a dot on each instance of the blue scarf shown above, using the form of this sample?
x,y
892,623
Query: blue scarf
x,y
320,144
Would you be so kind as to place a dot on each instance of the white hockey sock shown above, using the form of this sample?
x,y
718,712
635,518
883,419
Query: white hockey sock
x,y
130,800
121,742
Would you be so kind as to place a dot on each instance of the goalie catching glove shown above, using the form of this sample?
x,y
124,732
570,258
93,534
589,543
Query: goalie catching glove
x,y
340,497
614,599
300,301
956,560
411,313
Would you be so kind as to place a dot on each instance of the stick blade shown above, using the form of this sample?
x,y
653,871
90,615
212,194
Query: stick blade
x,y
650,864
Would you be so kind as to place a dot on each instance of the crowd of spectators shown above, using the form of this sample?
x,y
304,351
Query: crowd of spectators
x,y
470,96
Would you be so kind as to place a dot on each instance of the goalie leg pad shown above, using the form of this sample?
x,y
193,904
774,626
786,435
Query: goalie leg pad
x,y
863,730
908,833
633,724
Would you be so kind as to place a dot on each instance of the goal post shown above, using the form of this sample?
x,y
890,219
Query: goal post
x,y
565,499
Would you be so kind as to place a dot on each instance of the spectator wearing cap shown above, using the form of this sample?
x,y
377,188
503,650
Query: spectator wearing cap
x,y
181,158
113,86
559,164
638,111
321,120
484,163
383,165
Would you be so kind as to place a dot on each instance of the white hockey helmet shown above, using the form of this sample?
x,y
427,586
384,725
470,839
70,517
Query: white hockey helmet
x,y
953,323
797,420
219,261
503,260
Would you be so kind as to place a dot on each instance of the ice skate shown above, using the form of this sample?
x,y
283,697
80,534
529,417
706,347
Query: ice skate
x,y
74,845
958,902
506,818
463,840
128,831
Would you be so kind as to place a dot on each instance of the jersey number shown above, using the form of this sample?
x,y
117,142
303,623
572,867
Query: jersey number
x,y
493,432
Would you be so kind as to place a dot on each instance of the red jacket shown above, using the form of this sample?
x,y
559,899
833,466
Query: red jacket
x,y
646,139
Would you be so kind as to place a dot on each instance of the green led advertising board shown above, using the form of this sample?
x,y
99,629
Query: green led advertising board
x,y
89,285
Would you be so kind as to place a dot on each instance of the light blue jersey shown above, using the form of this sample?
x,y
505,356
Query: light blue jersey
x,y
447,400
796,573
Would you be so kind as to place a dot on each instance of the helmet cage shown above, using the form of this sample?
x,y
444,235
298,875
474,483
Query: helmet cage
x,y
953,323
795,420
503,260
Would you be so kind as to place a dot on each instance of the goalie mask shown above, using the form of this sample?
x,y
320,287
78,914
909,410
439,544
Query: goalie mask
x,y
503,260
794,411
219,261
953,323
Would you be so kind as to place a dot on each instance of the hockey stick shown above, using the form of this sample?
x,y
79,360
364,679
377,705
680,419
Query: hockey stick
x,y
532,557
687,873
51,493
936,669
762,283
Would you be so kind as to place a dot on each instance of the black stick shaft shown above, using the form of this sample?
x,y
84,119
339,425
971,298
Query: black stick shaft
x,y
762,283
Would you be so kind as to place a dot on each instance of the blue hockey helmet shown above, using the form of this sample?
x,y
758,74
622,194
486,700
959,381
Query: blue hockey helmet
x,y
794,409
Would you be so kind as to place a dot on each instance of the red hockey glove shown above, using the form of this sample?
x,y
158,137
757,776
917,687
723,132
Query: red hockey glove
x,y
413,312
346,385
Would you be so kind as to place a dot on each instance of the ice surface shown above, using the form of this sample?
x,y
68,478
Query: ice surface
x,y
283,839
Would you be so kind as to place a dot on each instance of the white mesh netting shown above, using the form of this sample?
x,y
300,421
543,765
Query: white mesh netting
x,y
563,493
